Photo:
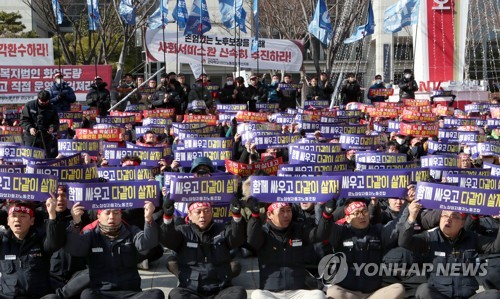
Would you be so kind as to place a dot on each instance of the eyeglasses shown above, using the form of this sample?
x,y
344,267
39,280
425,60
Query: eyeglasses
x,y
363,212
253,79
452,216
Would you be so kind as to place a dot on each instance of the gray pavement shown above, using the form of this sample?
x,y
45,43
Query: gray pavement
x,y
158,276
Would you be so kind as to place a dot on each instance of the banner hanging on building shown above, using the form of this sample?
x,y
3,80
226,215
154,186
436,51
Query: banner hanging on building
x,y
31,51
20,83
221,51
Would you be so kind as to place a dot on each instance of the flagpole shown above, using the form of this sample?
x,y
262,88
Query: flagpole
x,y
58,40
360,55
163,35
177,50
235,25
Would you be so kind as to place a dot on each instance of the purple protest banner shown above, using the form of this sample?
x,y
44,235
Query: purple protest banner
x,y
213,189
380,157
258,127
66,173
317,167
149,155
471,137
16,153
114,195
493,122
434,147
334,130
137,173
214,143
317,147
485,149
231,108
359,141
72,160
282,118
317,104
71,146
141,130
439,161
267,107
298,173
474,181
298,156
416,174
295,189
263,142
12,168
458,199
309,126
154,121
438,173
218,156
495,169
22,186
372,166
169,176
448,135
393,126
392,183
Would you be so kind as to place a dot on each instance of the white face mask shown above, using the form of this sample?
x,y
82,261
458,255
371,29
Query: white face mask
x,y
407,76
399,141
59,81
378,81
467,151
275,81
229,82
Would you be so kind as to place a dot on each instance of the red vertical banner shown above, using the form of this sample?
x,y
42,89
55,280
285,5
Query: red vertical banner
x,y
441,39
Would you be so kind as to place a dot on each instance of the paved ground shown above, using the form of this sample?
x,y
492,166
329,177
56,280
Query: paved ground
x,y
158,276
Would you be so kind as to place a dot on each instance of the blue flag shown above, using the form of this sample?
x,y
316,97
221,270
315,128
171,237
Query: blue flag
x,y
255,40
159,16
233,14
321,26
401,14
57,11
363,30
93,11
180,13
127,11
199,20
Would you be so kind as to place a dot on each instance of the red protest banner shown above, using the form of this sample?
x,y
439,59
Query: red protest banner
x,y
414,102
243,169
210,120
383,112
443,110
381,92
160,113
418,116
252,116
138,115
113,134
18,80
419,129
6,130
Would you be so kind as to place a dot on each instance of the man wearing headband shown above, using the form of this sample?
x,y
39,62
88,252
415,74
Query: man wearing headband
x,y
111,247
40,120
357,242
202,247
69,275
449,245
25,252
280,249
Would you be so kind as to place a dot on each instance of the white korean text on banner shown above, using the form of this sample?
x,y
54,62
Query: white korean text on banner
x,y
19,84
